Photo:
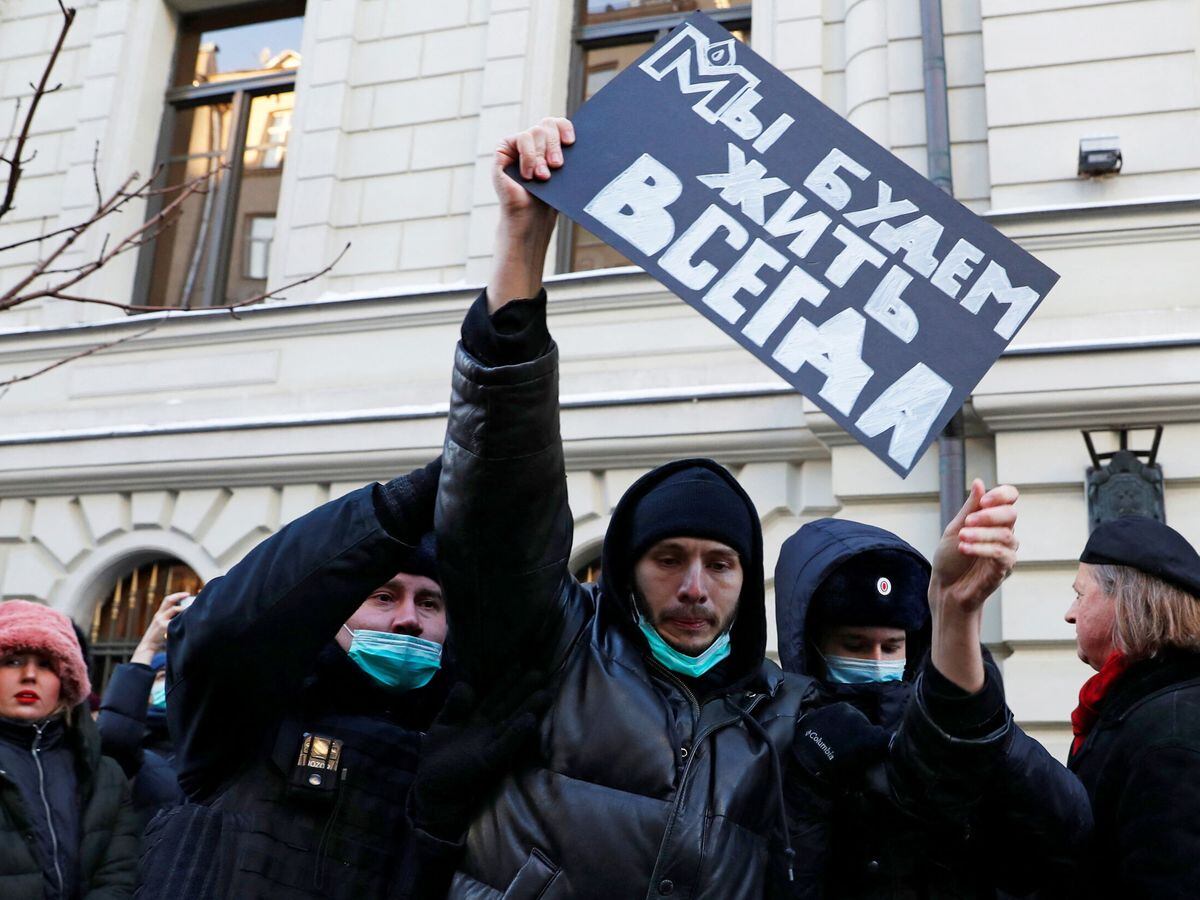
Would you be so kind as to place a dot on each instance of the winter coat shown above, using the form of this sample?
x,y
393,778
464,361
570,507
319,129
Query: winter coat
x,y
941,816
252,672
67,829
1141,765
644,784
137,738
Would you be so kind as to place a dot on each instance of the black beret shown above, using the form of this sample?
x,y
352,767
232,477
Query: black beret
x,y
877,588
1148,546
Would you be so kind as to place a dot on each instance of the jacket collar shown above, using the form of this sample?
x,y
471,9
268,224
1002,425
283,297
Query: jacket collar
x,y
22,733
1141,683
81,738
338,685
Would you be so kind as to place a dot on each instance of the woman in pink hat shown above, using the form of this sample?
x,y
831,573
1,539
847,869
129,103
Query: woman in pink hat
x,y
66,826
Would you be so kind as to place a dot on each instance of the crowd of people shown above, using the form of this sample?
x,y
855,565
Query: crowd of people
x,y
406,694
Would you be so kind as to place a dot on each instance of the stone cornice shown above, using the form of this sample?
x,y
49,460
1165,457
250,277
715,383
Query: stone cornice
x,y
371,444
431,305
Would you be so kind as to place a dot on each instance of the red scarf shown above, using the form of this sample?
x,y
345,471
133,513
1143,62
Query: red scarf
x,y
1091,696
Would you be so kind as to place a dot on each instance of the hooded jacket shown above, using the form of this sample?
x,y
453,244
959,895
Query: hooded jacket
x,y
942,816
137,738
252,672
643,784
66,826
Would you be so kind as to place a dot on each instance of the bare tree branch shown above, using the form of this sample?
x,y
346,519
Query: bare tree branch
x,y
276,294
29,376
16,160
96,174
23,292
55,276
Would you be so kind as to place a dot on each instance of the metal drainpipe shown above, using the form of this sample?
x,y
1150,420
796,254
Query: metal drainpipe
x,y
952,461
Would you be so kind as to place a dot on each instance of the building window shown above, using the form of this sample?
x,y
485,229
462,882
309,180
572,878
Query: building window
x,y
124,614
259,232
610,35
228,116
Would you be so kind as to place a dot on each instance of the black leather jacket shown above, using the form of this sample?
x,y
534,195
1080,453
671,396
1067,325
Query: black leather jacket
x,y
643,785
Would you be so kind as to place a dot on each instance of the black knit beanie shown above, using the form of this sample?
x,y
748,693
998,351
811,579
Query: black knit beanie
x,y
421,559
694,502
881,588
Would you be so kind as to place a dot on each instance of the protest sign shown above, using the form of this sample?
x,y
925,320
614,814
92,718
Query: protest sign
x,y
861,283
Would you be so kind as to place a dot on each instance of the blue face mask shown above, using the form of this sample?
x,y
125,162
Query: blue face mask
x,y
692,666
158,696
850,670
398,662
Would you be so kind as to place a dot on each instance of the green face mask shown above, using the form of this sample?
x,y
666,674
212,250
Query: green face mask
x,y
158,696
691,666
398,662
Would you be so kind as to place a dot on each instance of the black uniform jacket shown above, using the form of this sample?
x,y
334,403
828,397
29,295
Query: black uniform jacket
x,y
941,815
252,669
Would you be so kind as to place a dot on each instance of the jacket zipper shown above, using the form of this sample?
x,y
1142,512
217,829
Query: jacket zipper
x,y
670,676
46,804
687,768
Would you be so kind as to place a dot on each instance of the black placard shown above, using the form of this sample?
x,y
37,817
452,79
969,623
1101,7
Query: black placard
x,y
875,294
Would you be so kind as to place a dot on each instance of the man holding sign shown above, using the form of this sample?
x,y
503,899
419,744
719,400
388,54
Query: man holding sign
x,y
658,768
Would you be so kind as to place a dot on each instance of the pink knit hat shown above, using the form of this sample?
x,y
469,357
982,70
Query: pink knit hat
x,y
35,628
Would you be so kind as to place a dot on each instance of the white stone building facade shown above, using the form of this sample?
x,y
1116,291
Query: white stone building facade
x,y
198,438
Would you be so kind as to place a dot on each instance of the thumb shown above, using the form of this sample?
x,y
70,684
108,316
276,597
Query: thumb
x,y
972,504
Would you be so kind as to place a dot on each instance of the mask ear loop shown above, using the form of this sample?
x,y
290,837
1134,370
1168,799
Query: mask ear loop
x,y
636,613
348,631
821,656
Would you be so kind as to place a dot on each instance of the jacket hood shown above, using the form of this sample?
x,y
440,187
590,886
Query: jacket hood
x,y
748,637
805,561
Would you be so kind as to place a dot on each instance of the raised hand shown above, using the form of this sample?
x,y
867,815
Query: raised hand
x,y
155,639
976,553
978,549
526,223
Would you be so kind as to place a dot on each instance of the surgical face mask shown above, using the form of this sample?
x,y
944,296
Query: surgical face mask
x,y
851,670
398,662
692,666
158,696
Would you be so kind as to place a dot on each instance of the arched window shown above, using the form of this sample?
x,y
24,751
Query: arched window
x,y
122,617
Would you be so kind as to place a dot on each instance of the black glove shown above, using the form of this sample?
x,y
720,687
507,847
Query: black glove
x,y
404,505
471,745
836,743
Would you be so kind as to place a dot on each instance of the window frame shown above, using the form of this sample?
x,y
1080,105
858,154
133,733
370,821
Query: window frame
x,y
251,240
239,93
613,34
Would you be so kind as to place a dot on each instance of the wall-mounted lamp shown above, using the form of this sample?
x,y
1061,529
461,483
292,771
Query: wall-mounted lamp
x,y
1099,156
1126,486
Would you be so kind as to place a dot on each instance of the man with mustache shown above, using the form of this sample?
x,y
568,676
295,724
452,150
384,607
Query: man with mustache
x,y
657,770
